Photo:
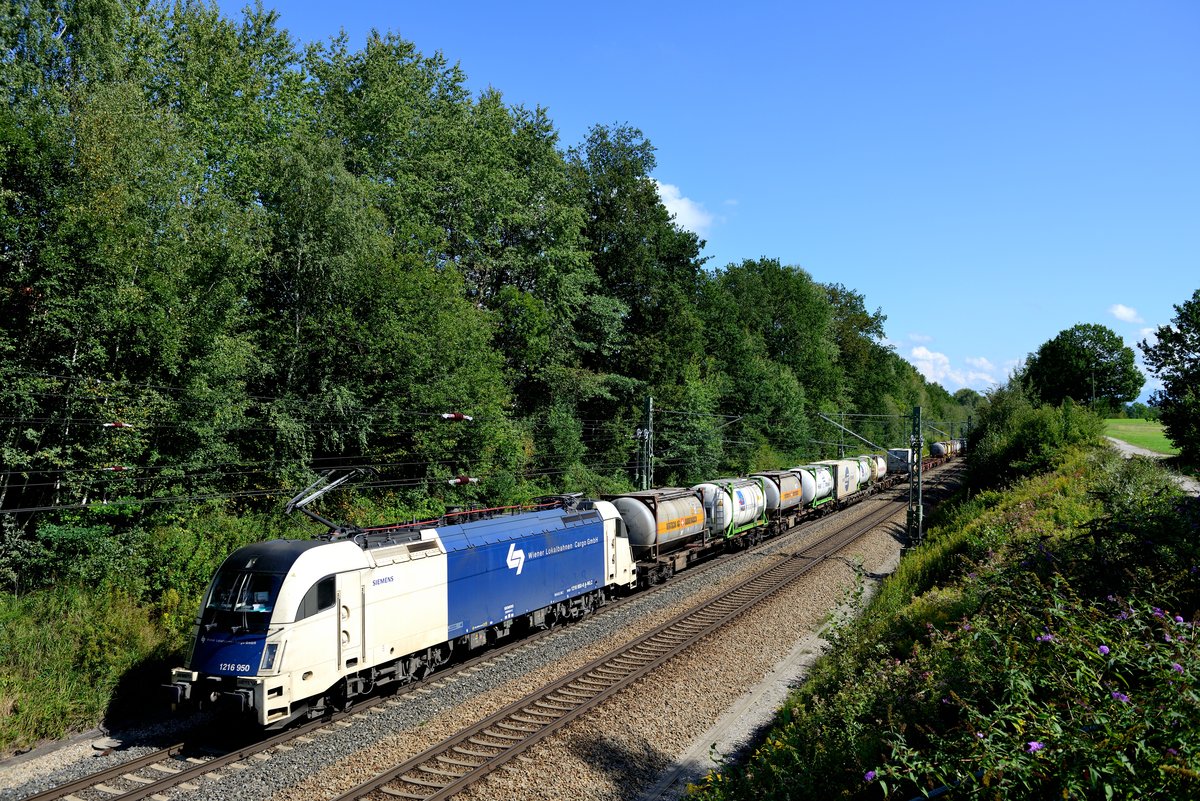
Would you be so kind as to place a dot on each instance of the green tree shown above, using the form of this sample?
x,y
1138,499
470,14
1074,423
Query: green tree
x,y
1174,357
641,257
968,398
1084,362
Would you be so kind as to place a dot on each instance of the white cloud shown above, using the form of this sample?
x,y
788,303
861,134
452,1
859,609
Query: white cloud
x,y
688,214
936,366
920,337
933,365
981,363
1125,313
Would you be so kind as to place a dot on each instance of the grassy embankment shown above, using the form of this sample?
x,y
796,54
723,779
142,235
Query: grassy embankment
x,y
1040,645
1142,433
98,642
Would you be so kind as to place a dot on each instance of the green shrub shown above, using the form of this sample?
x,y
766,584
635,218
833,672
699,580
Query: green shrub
x,y
1049,695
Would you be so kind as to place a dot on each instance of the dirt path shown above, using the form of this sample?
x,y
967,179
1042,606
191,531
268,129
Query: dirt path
x,y
1189,485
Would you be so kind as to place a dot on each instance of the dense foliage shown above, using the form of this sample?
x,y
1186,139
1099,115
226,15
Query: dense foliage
x,y
1086,363
230,262
1173,354
1040,644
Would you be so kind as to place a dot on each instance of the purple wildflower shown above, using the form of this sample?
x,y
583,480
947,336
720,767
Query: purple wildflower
x,y
1175,666
1034,746
869,776
1172,752
1045,638
1120,696
1103,649
1178,618
1157,612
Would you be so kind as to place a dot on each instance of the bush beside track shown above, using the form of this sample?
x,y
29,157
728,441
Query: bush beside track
x,y
1040,645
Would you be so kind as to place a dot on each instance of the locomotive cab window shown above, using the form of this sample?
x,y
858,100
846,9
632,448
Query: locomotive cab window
x,y
320,596
242,601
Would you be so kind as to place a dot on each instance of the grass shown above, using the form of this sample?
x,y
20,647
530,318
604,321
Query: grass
x,y
1142,433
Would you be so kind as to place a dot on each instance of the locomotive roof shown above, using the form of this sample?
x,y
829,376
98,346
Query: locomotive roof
x,y
461,536
270,556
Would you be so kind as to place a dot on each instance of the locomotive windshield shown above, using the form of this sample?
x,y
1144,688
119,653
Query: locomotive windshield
x,y
241,601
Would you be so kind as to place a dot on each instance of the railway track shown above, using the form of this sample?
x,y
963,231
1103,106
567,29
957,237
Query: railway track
x,y
470,755
180,767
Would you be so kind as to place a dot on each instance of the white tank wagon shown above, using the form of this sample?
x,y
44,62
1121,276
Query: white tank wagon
x,y
822,479
866,470
881,466
940,450
733,505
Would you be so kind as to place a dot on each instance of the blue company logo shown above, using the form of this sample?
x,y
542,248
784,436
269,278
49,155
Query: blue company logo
x,y
516,558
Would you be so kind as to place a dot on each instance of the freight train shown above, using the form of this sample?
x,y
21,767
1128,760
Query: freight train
x,y
292,629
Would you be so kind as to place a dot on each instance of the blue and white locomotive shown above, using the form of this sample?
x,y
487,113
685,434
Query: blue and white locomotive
x,y
292,628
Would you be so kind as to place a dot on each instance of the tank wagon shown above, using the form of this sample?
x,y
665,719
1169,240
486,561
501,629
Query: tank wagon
x,y
947,448
788,494
822,477
665,528
733,506
291,629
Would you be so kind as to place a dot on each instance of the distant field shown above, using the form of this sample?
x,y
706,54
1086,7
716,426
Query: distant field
x,y
1142,433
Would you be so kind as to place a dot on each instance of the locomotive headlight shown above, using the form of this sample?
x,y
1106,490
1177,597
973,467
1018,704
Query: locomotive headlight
x,y
268,659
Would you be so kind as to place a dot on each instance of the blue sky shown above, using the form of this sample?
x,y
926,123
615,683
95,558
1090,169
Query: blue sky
x,y
988,174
